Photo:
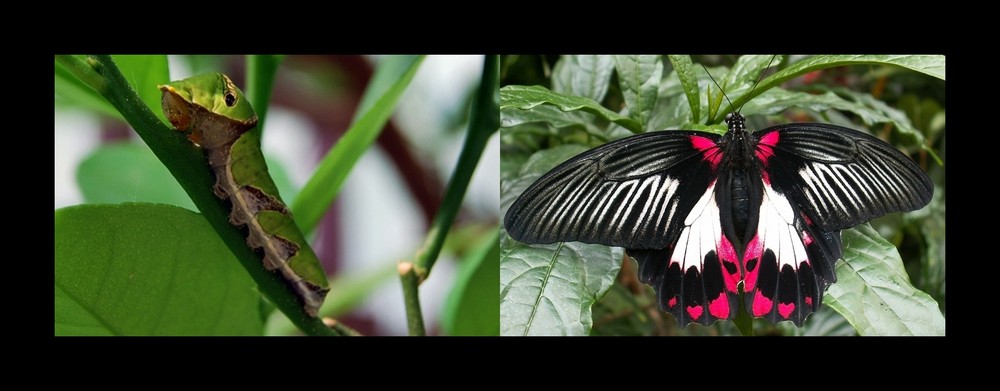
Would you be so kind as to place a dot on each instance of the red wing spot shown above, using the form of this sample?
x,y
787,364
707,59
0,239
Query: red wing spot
x,y
695,311
785,309
727,254
809,301
719,307
806,239
708,148
761,304
765,147
672,302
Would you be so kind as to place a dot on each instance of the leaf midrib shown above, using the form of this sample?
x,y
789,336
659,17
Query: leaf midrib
x,y
541,290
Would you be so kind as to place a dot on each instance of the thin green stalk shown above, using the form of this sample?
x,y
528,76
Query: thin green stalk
x,y
187,164
411,298
743,320
388,83
485,120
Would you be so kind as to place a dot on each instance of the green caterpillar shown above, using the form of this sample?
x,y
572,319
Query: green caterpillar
x,y
217,117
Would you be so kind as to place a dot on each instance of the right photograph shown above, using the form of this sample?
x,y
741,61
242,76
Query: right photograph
x,y
722,195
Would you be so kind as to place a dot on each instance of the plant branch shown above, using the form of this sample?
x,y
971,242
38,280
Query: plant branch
x,y
411,298
187,164
485,120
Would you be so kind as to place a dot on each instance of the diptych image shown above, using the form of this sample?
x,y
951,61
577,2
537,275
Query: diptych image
x,y
499,195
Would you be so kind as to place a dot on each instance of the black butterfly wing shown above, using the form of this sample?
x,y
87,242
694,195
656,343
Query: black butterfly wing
x,y
626,193
842,177
654,194
817,180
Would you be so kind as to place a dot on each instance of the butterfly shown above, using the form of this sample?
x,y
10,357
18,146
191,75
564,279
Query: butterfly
x,y
747,219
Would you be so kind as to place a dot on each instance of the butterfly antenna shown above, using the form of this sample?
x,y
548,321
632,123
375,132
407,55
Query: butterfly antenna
x,y
762,72
717,85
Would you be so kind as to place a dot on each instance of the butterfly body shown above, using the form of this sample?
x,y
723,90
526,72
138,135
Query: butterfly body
x,y
708,217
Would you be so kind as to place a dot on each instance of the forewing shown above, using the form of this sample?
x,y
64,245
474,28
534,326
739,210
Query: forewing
x,y
840,177
633,193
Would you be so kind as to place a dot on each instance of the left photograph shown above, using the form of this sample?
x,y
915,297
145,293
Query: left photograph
x,y
273,195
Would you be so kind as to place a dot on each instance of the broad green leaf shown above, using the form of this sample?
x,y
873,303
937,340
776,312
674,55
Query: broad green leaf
x,y
931,65
528,97
639,77
688,77
897,117
144,73
583,75
317,195
549,289
874,292
146,269
472,306
128,172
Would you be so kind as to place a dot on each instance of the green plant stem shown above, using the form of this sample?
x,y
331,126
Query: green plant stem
x,y
411,298
187,164
743,320
261,70
484,121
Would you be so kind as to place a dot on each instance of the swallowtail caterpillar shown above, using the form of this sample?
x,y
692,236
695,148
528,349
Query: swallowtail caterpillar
x,y
216,116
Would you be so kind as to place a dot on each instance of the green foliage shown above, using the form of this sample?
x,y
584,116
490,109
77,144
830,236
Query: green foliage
x,y
111,280
549,126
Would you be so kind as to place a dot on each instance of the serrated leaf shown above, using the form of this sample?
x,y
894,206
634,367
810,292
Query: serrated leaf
x,y
688,76
873,291
931,65
549,289
583,75
552,116
639,77
528,97
147,269
777,100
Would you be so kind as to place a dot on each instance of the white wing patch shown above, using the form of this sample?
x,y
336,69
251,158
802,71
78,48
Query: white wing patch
x,y
701,233
777,233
